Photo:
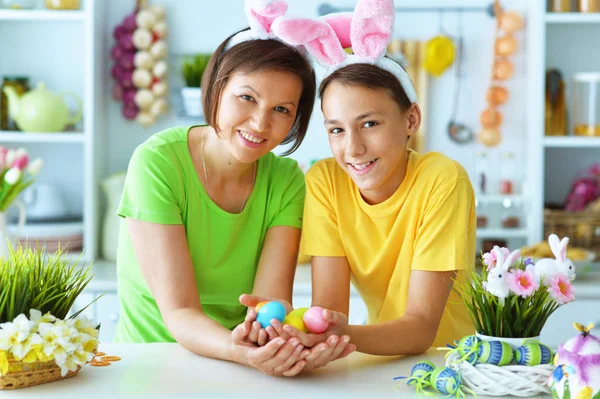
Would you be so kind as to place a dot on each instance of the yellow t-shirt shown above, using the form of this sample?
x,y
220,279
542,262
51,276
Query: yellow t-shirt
x,y
428,224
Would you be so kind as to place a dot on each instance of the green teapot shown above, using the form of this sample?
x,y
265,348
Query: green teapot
x,y
40,110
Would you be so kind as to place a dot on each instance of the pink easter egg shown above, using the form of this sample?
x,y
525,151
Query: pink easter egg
x,y
313,320
116,52
116,72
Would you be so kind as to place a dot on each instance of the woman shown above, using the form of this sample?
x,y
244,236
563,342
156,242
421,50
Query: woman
x,y
210,213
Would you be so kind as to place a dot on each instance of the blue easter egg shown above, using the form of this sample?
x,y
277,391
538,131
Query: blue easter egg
x,y
532,354
498,353
420,372
269,311
445,381
469,346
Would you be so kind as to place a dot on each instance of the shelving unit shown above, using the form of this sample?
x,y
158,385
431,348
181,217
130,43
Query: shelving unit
x,y
42,15
70,158
19,137
566,41
571,142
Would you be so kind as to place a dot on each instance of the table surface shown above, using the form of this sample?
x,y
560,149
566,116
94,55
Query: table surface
x,y
170,371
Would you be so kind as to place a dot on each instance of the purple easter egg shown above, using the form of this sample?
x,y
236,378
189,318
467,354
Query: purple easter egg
x,y
129,96
126,79
126,60
117,92
129,111
129,22
119,32
126,41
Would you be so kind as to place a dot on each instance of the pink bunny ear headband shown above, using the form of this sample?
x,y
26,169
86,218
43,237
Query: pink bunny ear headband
x,y
367,30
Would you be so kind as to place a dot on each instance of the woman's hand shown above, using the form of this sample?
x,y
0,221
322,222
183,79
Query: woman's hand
x,y
278,357
259,335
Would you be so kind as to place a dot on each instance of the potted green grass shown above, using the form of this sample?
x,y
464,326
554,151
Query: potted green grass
x,y
38,341
192,71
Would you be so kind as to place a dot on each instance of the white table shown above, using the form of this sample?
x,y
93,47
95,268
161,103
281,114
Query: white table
x,y
169,371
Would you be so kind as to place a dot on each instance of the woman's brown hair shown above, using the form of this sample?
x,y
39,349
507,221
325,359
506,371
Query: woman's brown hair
x,y
370,76
258,55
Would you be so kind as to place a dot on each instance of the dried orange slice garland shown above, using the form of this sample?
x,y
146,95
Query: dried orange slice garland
x,y
101,360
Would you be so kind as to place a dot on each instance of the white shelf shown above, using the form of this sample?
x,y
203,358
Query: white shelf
x,y
571,142
572,18
20,137
41,15
502,233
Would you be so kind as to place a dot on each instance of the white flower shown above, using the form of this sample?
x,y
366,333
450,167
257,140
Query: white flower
x,y
13,336
35,166
12,176
86,325
20,351
11,155
20,152
49,338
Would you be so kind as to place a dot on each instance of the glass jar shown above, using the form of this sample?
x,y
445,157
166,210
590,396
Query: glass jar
x,y
555,113
21,85
507,173
481,172
588,5
62,4
511,215
559,5
17,4
586,104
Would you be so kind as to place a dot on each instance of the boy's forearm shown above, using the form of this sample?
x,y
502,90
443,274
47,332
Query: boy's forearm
x,y
409,335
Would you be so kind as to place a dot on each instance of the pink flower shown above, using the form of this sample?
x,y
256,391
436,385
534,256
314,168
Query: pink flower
x,y
21,162
490,258
561,290
522,282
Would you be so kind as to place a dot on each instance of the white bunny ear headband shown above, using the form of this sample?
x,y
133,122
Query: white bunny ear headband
x,y
261,14
367,30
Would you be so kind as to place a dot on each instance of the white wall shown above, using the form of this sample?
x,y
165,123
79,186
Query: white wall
x,y
199,26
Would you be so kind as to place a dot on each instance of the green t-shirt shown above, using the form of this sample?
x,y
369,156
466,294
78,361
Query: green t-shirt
x,y
162,186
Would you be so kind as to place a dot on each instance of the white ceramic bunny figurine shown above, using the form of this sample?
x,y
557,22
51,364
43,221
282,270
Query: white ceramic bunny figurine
x,y
545,269
497,283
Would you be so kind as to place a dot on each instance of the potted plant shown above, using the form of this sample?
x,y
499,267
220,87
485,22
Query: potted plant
x,y
512,297
38,342
192,71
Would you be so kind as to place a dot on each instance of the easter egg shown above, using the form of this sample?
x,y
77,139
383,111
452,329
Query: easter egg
x,y
503,70
498,353
295,321
445,380
506,45
468,348
532,354
260,305
269,311
420,372
313,320
511,21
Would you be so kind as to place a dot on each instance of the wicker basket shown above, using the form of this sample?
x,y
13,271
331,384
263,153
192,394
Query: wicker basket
x,y
490,380
583,228
21,375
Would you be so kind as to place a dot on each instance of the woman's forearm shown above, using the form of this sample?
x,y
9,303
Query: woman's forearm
x,y
202,335
409,335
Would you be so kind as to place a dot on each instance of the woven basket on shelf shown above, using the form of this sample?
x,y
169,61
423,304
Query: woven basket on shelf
x,y
21,375
490,380
582,228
